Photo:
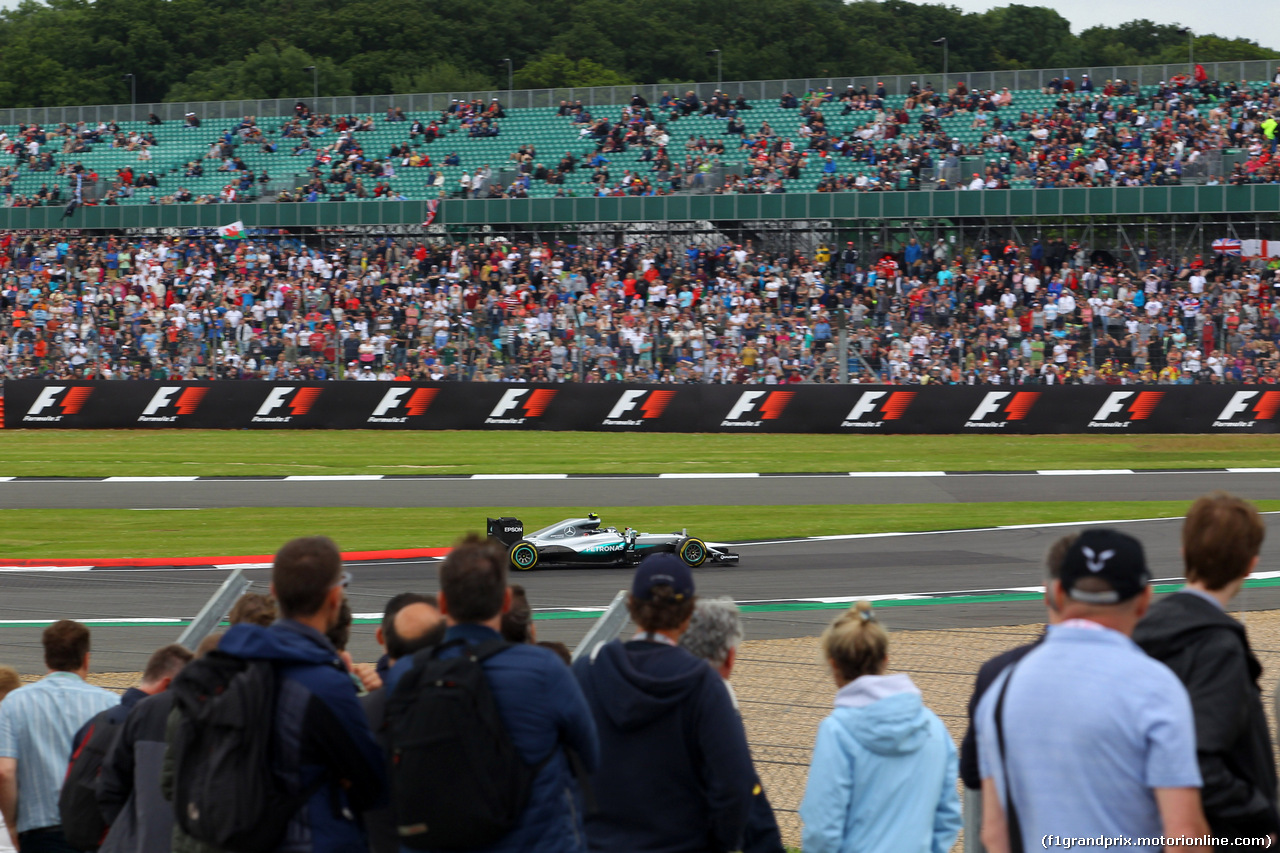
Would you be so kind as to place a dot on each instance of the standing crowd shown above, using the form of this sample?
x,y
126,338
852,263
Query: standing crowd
x,y
713,311
1127,719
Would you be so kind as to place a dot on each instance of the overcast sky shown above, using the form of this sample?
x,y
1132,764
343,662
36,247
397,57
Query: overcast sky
x,y
1252,19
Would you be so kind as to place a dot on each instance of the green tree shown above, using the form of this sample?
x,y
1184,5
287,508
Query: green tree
x,y
441,77
273,70
557,71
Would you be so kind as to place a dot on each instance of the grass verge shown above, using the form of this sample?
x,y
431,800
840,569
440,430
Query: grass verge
x,y
101,533
91,453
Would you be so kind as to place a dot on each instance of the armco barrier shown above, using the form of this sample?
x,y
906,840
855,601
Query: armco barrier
x,y
33,404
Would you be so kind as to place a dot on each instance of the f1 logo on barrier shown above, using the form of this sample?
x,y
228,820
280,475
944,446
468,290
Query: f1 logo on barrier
x,y
161,401
1118,403
298,400
655,403
1016,409
770,408
417,404
533,402
1264,409
67,400
890,410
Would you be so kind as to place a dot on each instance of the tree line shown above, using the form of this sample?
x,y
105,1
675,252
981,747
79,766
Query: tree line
x,y
66,52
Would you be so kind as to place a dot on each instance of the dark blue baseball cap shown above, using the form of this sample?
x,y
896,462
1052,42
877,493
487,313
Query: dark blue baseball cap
x,y
662,570
1116,559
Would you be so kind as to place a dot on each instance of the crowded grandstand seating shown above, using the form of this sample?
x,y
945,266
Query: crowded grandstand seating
x,y
1109,134
711,311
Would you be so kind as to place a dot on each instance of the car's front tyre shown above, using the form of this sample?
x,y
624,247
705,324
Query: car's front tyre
x,y
693,552
523,556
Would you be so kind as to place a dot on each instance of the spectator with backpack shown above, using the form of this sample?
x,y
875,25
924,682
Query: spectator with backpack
x,y
508,721
271,750
414,624
37,724
677,774
883,775
128,787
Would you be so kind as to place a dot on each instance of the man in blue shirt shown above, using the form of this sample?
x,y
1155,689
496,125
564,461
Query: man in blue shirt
x,y
1087,737
37,723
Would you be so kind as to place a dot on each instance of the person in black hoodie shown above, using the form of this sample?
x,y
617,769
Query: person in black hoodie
x,y
675,771
1192,634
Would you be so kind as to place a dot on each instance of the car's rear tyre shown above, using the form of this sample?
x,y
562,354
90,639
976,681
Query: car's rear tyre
x,y
693,552
523,556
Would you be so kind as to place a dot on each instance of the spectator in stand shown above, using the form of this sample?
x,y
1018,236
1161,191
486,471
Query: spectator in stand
x,y
501,311
129,795
884,768
675,771
1192,634
323,733
1086,735
37,724
537,698
714,634
987,673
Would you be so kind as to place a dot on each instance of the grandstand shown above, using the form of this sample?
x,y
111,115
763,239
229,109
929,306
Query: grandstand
x,y
551,135
120,143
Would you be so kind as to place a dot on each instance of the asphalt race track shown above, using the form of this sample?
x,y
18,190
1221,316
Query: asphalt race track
x,y
523,491
789,588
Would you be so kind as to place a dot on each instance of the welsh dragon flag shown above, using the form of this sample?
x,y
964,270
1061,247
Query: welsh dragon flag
x,y
234,231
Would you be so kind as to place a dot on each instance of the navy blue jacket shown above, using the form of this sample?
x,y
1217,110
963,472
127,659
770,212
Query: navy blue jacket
x,y
543,709
320,731
115,716
987,675
678,776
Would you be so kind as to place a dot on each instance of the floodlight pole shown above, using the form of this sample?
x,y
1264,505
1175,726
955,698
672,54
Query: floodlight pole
x,y
315,86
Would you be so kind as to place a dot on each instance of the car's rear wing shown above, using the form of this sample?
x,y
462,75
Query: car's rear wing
x,y
508,531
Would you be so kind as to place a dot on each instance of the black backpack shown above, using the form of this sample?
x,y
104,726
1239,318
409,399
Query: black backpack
x,y
225,791
82,822
457,780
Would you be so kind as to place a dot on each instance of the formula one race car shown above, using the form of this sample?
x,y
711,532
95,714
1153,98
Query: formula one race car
x,y
584,541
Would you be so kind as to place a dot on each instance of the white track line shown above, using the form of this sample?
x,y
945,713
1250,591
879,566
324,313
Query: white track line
x,y
149,479
330,478
519,476
18,569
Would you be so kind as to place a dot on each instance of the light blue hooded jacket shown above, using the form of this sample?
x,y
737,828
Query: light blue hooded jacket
x,y
883,776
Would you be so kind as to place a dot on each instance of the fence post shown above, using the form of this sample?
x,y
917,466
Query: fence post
x,y
606,628
214,609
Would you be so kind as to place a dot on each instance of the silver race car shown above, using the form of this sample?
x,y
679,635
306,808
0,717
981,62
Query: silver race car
x,y
583,541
